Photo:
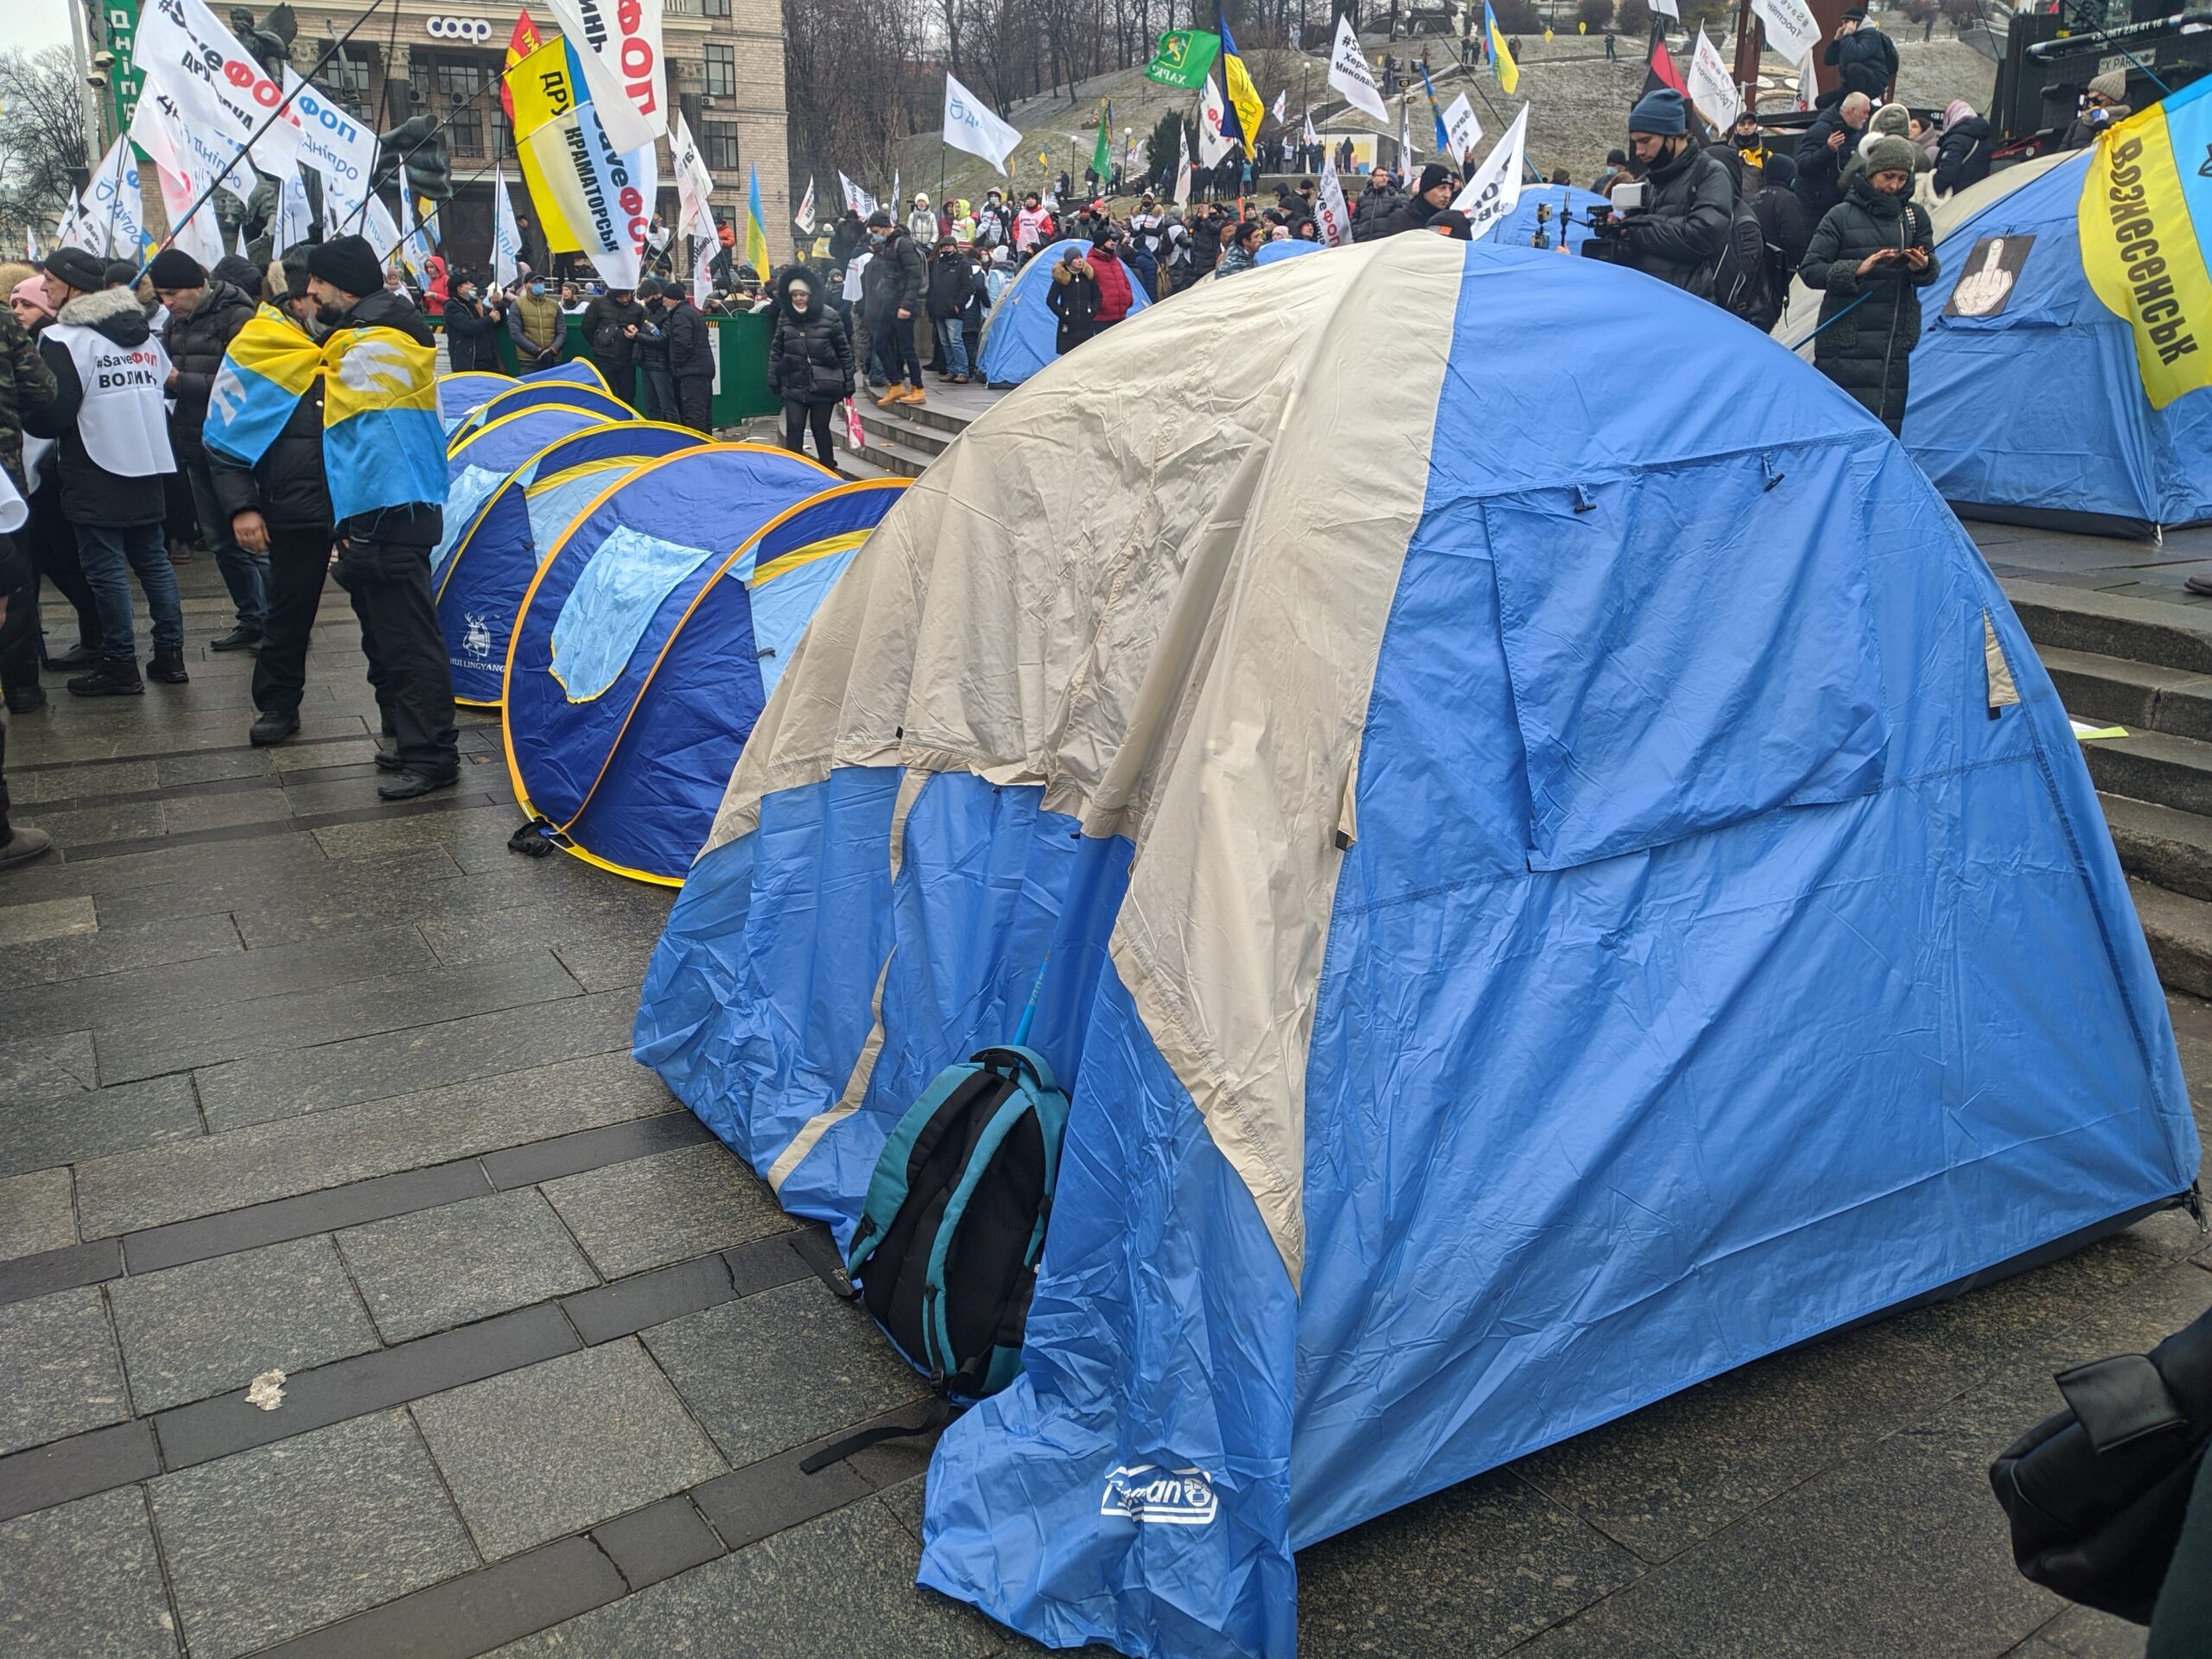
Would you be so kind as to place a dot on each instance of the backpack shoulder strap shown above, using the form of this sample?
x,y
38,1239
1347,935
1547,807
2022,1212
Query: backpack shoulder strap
x,y
887,1186
1022,1101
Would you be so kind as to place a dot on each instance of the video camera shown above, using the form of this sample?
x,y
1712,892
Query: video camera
x,y
1608,239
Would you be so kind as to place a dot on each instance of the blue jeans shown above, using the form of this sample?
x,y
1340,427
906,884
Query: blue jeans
x,y
956,348
246,575
660,395
109,553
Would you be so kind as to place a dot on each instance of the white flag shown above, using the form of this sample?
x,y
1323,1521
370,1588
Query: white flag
x,y
239,240
855,198
381,233
72,230
1495,186
1309,137
224,93
339,148
1349,73
1331,218
695,186
1462,131
506,235
1212,146
805,218
159,127
294,221
1406,141
31,245
1792,31
970,125
702,266
1275,109
1668,8
1708,85
1808,82
618,43
1183,165
413,249
115,210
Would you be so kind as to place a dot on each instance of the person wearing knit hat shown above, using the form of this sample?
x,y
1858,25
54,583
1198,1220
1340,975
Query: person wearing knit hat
x,y
205,315
1865,59
1890,121
1432,192
28,301
383,553
2104,103
1783,222
1868,257
112,459
1690,197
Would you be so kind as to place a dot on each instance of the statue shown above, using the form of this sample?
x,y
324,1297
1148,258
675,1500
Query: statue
x,y
271,40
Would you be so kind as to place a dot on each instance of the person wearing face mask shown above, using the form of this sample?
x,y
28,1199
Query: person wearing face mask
x,y
690,346
470,320
611,326
653,352
534,319
891,295
810,363
1868,255
272,486
1689,201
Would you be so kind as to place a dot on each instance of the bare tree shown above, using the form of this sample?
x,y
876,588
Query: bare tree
x,y
41,135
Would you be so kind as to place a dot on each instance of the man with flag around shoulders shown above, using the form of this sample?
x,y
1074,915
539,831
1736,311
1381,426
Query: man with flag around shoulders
x,y
383,456
113,454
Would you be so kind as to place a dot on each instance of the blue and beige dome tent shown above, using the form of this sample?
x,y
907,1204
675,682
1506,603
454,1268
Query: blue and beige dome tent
x,y
495,549
467,389
1537,910
2028,403
1559,202
1019,335
545,394
1273,253
577,371
652,635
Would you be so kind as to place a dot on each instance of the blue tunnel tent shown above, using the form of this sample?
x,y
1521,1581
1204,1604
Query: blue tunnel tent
x,y
1273,253
1653,913
576,371
459,393
479,581
2027,406
637,669
1019,335
479,459
561,394
1517,229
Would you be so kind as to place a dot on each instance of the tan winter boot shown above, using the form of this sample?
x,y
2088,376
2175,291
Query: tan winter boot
x,y
892,393
914,396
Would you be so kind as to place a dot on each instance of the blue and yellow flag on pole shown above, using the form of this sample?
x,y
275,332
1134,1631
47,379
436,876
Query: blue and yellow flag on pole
x,y
1501,58
756,228
2146,222
1245,111
269,366
382,442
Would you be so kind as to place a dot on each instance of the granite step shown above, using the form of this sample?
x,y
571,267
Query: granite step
x,y
2162,632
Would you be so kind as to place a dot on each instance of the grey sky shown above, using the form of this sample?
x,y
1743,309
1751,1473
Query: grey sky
x,y
39,24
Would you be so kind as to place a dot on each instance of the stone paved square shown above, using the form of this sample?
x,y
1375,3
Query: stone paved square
x,y
58,1372
267,1543
652,1211
83,1579
461,1261
555,1447
210,1326
37,1213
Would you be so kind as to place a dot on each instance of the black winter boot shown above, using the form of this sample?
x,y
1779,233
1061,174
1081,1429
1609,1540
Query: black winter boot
x,y
110,678
168,665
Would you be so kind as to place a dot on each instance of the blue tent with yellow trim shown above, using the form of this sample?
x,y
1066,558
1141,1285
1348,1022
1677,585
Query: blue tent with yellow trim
x,y
496,540
652,635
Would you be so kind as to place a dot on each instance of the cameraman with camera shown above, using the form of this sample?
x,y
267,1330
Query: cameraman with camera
x,y
1676,231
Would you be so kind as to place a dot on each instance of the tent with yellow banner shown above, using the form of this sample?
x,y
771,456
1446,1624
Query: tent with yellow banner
x,y
2064,372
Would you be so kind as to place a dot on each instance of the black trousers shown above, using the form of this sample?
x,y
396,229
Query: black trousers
x,y
390,585
797,417
52,545
299,558
19,649
695,398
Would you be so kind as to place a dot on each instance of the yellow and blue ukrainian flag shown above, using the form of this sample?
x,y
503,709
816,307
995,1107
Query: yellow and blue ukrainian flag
x,y
756,228
382,442
1501,58
270,365
1244,110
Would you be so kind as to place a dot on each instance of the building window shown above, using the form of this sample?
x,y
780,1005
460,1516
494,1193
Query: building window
x,y
346,79
719,139
714,8
458,84
722,71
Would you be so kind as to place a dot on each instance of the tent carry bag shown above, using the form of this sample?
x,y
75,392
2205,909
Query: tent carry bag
x,y
2097,1494
945,1253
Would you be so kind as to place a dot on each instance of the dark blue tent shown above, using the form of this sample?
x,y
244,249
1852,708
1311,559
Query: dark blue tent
x,y
498,539
1019,335
638,665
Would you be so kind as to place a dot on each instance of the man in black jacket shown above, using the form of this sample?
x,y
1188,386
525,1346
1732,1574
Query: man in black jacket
x,y
1831,140
205,316
470,320
112,456
1431,197
1865,59
891,293
383,558
691,357
1375,204
279,507
653,383
1781,221
610,329
953,287
1691,198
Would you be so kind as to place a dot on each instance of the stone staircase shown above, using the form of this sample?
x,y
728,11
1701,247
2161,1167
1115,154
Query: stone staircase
x,y
2146,665
902,439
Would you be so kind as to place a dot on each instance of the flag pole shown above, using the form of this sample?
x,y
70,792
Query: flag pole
x,y
451,115
422,225
254,138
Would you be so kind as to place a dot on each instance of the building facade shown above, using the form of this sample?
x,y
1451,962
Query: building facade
x,y
724,60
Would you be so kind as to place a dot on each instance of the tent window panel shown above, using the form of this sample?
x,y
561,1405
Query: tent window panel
x,y
464,496
1692,650
613,604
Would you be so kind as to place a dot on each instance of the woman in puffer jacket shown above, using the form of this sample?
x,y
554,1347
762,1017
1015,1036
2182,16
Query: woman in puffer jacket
x,y
810,362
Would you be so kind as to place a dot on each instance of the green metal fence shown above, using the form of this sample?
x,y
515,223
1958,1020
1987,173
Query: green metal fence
x,y
741,346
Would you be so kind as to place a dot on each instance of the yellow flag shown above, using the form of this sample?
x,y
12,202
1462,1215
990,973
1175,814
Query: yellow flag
x,y
2139,244
1509,73
543,89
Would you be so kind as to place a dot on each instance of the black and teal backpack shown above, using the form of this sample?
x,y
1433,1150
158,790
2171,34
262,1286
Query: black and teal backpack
x,y
945,1253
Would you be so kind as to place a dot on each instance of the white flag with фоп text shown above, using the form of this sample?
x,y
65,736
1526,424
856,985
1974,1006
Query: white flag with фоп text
x,y
1331,216
1212,145
1462,131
